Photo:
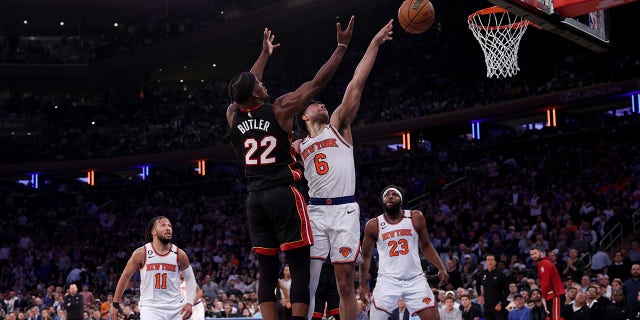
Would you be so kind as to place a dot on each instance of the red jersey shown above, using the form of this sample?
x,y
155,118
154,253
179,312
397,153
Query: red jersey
x,y
550,283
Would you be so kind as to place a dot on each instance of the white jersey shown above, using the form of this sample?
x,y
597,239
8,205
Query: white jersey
x,y
160,279
328,165
398,248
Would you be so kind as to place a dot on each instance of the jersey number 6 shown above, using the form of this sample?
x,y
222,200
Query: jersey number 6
x,y
322,167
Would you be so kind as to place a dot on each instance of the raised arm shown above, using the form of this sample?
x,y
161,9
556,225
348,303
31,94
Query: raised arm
x,y
267,49
370,235
258,67
347,110
291,103
428,250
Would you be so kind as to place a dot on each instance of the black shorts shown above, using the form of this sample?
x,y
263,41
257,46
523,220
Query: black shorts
x,y
278,220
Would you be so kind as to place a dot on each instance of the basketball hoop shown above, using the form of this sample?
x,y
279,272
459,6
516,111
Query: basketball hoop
x,y
499,33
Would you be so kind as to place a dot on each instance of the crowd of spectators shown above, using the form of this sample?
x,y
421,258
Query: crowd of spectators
x,y
562,189
558,192
68,127
51,47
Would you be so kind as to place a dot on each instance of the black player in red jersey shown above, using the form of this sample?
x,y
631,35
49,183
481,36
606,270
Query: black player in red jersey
x,y
261,135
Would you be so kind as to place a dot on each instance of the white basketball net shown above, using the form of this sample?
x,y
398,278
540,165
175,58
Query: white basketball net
x,y
499,33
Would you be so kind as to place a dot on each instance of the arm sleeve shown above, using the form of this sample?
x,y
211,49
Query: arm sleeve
x,y
190,282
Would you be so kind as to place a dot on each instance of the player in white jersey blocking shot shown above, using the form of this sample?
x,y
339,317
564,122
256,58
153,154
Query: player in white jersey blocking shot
x,y
399,235
160,263
327,153
197,311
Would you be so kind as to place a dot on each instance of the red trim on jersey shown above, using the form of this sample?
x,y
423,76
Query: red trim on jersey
x,y
250,108
333,312
306,236
375,306
292,150
144,262
266,251
296,173
391,223
339,136
156,252
294,245
413,224
317,315
177,255
318,258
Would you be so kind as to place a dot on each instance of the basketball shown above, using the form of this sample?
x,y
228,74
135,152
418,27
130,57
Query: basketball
x,y
416,16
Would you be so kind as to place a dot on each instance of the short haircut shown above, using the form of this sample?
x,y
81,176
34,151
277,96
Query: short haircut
x,y
241,87
297,119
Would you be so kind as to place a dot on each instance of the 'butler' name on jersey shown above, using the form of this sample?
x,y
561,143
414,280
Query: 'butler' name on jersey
x,y
326,143
254,124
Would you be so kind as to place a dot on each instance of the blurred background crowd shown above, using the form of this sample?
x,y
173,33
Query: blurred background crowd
x,y
568,189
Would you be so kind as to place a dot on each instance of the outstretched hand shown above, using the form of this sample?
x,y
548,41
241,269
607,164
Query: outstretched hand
x,y
267,41
384,34
344,36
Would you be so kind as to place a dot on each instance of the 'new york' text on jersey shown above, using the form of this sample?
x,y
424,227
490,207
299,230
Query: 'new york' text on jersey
x,y
328,165
398,248
160,279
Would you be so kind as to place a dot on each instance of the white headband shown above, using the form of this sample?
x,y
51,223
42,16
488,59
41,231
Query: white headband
x,y
392,189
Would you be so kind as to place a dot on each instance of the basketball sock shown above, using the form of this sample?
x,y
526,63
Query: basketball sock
x,y
315,267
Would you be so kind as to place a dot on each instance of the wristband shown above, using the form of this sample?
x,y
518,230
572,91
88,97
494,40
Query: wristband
x,y
342,45
117,306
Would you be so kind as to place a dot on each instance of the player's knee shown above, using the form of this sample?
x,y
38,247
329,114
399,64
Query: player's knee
x,y
346,288
345,280
429,314
298,260
268,277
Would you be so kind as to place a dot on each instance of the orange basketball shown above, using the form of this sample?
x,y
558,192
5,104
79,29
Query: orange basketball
x,y
416,16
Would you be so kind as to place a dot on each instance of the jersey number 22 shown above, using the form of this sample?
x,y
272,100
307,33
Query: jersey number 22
x,y
266,145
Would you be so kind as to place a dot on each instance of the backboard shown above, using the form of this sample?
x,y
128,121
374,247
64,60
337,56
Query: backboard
x,y
584,22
